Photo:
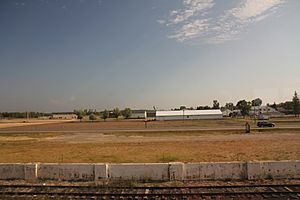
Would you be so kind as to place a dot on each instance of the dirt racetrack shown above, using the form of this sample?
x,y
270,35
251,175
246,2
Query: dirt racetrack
x,y
98,142
122,124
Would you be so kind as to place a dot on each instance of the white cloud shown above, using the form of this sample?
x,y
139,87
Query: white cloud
x,y
192,8
253,9
190,30
161,21
192,23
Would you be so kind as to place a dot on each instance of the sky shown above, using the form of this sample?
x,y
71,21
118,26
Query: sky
x,y
60,55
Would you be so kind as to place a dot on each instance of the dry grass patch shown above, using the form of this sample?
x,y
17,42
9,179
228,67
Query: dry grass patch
x,y
187,151
26,136
128,124
140,125
200,132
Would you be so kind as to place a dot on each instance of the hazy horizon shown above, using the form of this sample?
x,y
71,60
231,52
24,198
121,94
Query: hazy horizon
x,y
100,54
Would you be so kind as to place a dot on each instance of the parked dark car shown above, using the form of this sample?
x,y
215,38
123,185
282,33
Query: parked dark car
x,y
265,124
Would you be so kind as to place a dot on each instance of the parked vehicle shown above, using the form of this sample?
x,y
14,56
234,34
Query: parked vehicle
x,y
265,124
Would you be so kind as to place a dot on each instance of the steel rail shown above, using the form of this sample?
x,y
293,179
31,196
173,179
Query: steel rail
x,y
145,194
168,192
150,187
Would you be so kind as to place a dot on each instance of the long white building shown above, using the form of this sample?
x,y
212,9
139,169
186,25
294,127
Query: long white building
x,y
188,114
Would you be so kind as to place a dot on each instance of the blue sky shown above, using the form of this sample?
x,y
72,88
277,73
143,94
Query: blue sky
x,y
58,55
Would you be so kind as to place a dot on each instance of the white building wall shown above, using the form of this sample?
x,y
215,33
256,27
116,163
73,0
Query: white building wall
x,y
64,116
189,114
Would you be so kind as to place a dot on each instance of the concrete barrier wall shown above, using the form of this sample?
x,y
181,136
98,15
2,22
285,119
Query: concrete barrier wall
x,y
176,171
152,171
66,172
274,170
12,171
216,171
30,171
18,171
140,172
101,171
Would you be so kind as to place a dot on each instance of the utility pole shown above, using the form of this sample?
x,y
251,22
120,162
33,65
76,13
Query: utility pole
x,y
145,119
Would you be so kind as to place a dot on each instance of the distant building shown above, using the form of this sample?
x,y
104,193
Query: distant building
x,y
64,115
226,112
141,114
138,114
188,114
44,117
264,112
231,113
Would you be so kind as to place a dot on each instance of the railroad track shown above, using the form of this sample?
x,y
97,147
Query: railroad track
x,y
269,191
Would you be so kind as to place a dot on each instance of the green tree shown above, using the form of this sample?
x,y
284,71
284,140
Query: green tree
x,y
274,106
287,106
127,112
116,112
80,114
229,106
244,107
80,117
182,108
203,108
92,117
216,104
296,104
256,102
105,114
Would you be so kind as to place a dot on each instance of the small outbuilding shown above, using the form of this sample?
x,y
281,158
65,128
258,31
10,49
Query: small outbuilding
x,y
64,115
188,114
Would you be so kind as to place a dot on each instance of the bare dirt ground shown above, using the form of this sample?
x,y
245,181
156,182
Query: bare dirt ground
x,y
99,137
96,142
24,122
95,147
132,125
123,124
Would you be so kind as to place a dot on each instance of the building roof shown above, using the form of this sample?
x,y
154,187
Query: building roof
x,y
187,112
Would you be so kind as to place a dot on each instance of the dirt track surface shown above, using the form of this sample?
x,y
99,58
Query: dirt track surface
x,y
139,126
98,137
74,142
21,123
122,124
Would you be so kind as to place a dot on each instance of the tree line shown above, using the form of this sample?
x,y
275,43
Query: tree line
x,y
93,114
8,115
244,106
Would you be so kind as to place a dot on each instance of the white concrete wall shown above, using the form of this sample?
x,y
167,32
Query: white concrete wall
x,y
66,172
152,171
215,171
100,171
12,171
30,171
17,171
176,171
274,170
140,171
